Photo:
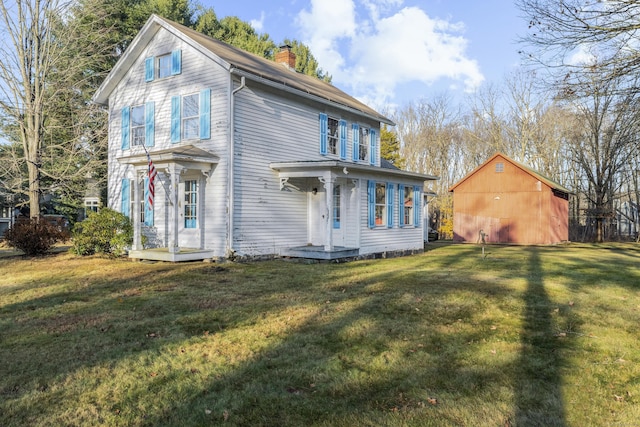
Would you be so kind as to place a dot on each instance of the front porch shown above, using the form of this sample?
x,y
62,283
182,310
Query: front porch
x,y
163,254
319,252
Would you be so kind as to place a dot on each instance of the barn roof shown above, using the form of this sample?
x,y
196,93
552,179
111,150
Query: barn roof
x,y
549,182
239,62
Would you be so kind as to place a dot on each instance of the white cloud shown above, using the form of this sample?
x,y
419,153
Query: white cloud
x,y
324,25
258,24
382,46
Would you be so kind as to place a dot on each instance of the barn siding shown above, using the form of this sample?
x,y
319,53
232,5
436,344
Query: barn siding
x,y
512,206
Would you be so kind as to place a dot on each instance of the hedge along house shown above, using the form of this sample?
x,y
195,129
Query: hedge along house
x,y
252,158
509,203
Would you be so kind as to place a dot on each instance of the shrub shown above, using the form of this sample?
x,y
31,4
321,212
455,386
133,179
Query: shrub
x,y
107,232
34,236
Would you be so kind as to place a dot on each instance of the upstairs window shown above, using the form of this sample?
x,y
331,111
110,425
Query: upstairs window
x,y
191,116
363,145
332,135
499,167
137,125
164,66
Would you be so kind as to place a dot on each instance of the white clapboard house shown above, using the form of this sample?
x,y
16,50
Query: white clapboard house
x,y
252,158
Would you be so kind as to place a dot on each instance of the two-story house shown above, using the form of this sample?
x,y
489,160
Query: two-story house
x,y
252,158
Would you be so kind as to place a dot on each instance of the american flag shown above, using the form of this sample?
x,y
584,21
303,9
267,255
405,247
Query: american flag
x,y
152,177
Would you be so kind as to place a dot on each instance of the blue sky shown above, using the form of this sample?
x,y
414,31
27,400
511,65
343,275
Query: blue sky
x,y
391,52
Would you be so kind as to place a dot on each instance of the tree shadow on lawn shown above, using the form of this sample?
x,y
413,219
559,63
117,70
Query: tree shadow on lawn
x,y
538,392
370,351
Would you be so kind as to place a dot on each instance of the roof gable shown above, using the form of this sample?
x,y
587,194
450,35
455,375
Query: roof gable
x,y
234,60
550,183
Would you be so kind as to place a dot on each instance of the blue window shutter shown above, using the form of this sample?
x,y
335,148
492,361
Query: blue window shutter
x,y
175,119
149,69
149,124
371,193
205,114
356,142
417,205
343,139
176,62
372,147
148,209
125,128
401,205
390,198
323,134
126,198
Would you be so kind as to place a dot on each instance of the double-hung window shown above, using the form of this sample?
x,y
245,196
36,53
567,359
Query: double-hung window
x,y
191,116
363,143
190,204
137,125
332,135
408,205
381,204
164,66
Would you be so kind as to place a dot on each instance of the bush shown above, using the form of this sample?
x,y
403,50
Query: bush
x,y
105,232
34,236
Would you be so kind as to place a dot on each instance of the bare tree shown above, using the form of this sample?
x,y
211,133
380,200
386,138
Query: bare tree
x,y
598,39
608,125
47,65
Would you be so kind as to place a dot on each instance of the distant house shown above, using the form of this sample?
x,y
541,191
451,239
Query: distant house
x,y
253,159
509,203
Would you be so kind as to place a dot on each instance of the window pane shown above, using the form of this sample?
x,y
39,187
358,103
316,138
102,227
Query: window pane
x,y
164,66
191,128
190,106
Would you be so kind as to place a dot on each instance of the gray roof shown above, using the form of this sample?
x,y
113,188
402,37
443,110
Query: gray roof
x,y
253,66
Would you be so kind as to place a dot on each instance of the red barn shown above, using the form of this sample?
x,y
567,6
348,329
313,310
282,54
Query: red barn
x,y
509,203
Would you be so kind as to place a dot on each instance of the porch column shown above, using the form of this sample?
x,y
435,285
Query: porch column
x,y
328,185
137,227
174,211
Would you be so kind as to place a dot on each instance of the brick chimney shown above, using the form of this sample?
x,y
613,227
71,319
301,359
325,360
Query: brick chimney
x,y
286,57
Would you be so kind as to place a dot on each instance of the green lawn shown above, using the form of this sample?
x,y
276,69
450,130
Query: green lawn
x,y
537,336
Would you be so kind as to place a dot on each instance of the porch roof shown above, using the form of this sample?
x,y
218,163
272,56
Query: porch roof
x,y
304,169
188,156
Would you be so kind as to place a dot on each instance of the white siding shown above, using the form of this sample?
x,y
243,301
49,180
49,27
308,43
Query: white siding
x,y
198,73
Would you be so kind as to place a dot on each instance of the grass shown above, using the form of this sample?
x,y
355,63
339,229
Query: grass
x,y
528,336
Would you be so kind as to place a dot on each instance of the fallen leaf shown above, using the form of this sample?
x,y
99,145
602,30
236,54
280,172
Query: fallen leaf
x,y
493,328
432,400
571,303
207,411
561,334
493,351
225,415
618,398
153,374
